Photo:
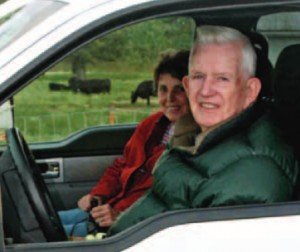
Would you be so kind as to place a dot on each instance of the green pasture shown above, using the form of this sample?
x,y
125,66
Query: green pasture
x,y
44,115
126,56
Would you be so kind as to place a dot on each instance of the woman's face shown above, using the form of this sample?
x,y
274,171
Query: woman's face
x,y
171,97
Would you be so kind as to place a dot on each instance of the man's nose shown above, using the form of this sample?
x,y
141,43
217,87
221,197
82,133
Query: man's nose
x,y
207,87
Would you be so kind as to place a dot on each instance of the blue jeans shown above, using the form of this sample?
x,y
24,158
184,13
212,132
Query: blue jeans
x,y
74,221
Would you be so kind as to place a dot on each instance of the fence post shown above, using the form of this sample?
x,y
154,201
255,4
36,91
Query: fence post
x,y
111,115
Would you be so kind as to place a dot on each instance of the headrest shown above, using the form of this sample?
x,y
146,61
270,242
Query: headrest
x,y
287,77
264,71
259,42
264,68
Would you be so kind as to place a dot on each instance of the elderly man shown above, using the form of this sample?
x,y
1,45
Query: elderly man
x,y
239,156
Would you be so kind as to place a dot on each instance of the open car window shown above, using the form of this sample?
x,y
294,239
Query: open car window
x,y
97,84
281,30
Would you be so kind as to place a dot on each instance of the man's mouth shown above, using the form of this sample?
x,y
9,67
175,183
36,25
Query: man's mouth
x,y
208,105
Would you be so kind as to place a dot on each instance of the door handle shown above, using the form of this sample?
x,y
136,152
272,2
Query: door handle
x,y
52,172
51,169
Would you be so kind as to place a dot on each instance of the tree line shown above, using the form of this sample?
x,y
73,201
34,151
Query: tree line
x,y
138,45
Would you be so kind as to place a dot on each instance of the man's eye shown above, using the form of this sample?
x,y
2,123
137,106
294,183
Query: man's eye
x,y
197,77
222,78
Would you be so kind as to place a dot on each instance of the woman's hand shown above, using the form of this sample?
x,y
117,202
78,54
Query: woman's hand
x,y
85,202
104,215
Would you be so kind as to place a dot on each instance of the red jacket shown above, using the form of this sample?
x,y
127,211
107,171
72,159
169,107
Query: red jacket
x,y
130,176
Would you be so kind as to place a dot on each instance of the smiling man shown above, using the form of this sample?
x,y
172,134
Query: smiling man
x,y
239,156
220,83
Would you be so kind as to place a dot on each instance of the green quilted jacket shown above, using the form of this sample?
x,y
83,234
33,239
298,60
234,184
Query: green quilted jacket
x,y
243,161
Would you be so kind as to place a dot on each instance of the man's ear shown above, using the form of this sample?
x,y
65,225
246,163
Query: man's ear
x,y
253,88
185,83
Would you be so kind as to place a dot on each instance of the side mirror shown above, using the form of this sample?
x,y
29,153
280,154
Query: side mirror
x,y
6,118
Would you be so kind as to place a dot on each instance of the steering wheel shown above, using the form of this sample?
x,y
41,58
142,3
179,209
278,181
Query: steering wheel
x,y
35,187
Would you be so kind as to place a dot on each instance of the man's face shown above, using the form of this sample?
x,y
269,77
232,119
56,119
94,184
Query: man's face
x,y
216,87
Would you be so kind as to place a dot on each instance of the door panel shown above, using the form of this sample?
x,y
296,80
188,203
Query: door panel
x,y
78,162
78,176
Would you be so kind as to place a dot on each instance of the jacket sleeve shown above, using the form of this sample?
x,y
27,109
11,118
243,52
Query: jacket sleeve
x,y
109,184
147,206
249,180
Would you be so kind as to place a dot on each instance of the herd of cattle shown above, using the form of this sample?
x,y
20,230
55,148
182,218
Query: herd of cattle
x,y
96,86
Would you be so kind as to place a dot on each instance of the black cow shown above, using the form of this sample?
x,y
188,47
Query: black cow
x,y
144,90
58,86
92,86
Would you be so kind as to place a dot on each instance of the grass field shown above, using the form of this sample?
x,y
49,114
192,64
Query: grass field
x,y
44,115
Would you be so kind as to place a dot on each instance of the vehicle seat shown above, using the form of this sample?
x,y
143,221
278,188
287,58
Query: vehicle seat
x,y
264,68
286,107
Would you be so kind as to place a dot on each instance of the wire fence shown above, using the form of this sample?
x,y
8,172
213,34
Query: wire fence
x,y
57,126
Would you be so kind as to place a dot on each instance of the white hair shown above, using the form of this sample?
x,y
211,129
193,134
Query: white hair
x,y
209,34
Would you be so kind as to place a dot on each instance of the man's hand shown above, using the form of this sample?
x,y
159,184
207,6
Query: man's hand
x,y
104,215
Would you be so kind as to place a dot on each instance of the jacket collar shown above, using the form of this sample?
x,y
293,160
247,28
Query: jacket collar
x,y
185,124
231,127
163,120
185,131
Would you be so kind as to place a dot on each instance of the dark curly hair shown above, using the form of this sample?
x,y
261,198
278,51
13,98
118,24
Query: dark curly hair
x,y
174,63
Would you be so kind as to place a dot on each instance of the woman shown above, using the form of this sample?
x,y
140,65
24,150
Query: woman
x,y
130,176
